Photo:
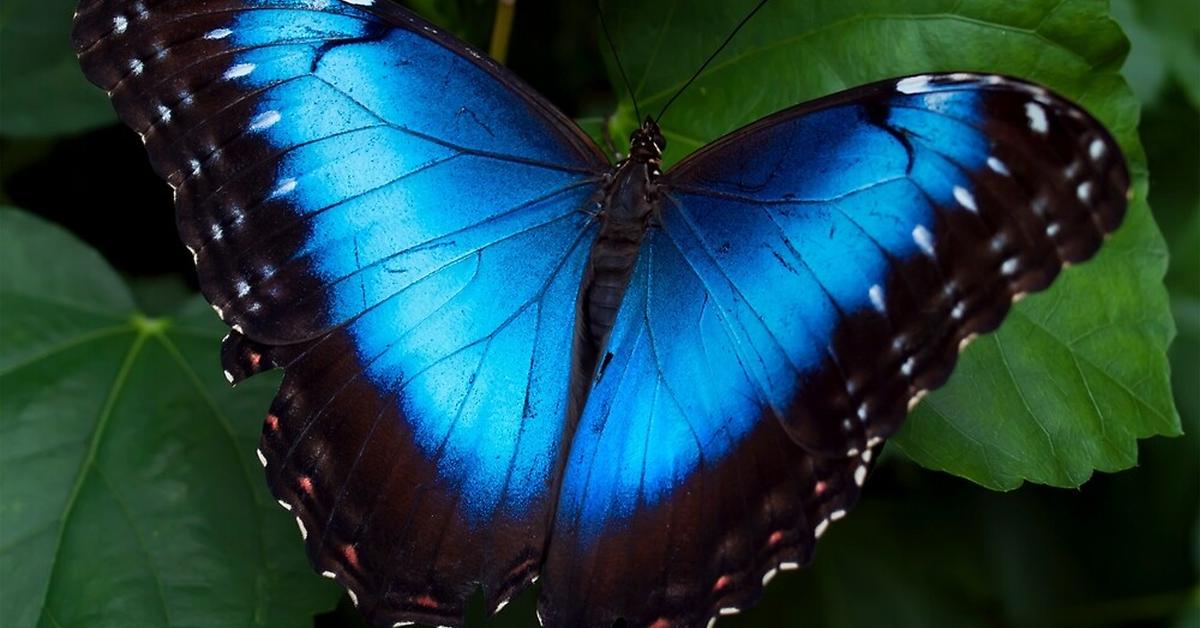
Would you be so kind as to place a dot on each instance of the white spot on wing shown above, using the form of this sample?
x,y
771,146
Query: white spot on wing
x,y
353,597
1052,229
998,166
837,514
1096,149
265,120
218,33
285,186
261,457
1084,191
913,84
999,242
923,238
286,506
303,530
164,113
965,198
730,610
501,605
1037,117
329,574
1009,266
860,475
241,69
907,368
876,294
136,66
789,566
120,24
229,377
821,528
769,576
361,3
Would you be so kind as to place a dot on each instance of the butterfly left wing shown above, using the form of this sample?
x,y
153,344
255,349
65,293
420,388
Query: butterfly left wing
x,y
812,276
395,221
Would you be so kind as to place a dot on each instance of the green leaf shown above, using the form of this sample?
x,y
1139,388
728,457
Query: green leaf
x,y
1077,374
132,496
42,91
1169,31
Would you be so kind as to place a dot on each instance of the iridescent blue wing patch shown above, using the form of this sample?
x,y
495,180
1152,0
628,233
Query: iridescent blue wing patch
x,y
395,220
812,276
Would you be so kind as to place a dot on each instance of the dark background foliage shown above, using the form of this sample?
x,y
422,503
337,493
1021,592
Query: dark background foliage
x,y
923,548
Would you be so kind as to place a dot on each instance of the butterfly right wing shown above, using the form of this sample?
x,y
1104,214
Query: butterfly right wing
x,y
809,277
394,220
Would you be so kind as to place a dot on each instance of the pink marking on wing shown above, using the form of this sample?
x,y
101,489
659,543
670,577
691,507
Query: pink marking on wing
x,y
351,556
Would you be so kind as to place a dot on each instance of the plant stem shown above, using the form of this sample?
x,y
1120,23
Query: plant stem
x,y
502,29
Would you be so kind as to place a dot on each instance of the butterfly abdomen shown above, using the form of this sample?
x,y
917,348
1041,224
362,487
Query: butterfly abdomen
x,y
611,263
626,211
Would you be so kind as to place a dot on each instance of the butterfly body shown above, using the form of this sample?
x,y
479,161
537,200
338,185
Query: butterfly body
x,y
630,202
505,358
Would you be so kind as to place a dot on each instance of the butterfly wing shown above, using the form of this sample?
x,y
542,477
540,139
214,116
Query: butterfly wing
x,y
812,276
395,220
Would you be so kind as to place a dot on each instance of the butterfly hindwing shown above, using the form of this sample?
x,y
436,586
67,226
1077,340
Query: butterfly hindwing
x,y
394,220
812,275
683,494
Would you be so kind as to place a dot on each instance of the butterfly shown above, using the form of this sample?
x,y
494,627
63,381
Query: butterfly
x,y
506,358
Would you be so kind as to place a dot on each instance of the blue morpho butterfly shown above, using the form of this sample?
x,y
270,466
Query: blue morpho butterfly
x,y
505,357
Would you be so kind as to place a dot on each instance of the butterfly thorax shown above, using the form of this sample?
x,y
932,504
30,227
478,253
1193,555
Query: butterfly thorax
x,y
628,208
632,194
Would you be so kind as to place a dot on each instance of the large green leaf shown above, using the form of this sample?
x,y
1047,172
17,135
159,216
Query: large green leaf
x,y
42,91
1078,373
131,495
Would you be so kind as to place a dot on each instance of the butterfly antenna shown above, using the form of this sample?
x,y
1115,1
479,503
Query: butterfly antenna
x,y
621,68
716,52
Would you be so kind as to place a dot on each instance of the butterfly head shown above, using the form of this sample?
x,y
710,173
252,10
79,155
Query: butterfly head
x,y
646,143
